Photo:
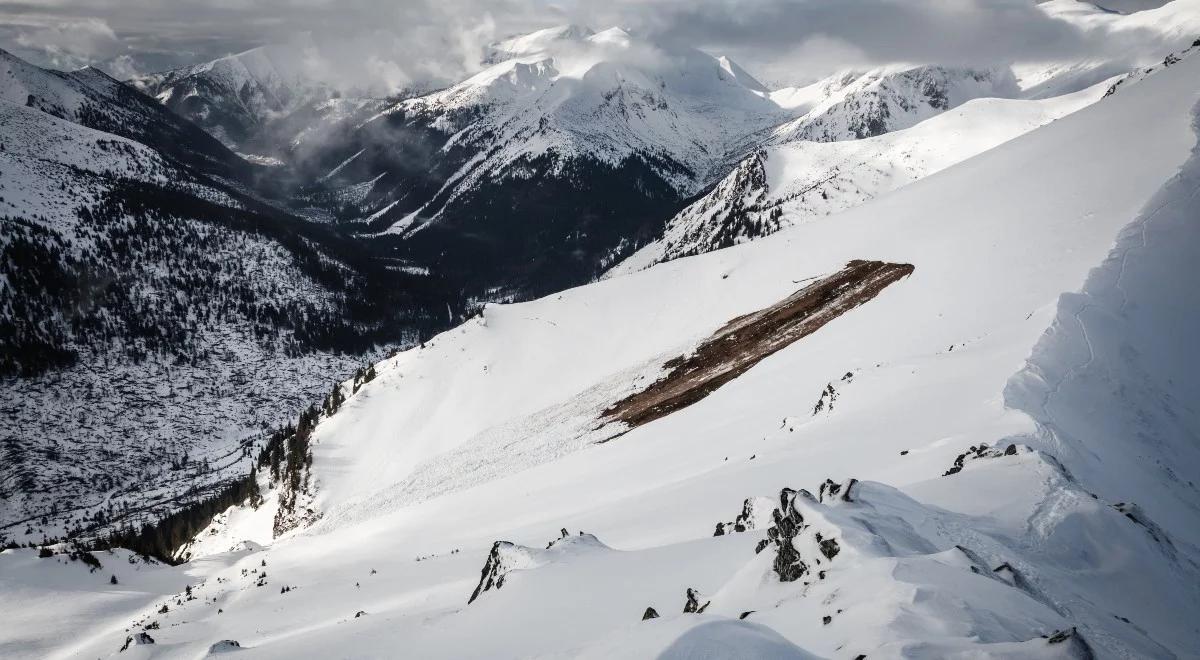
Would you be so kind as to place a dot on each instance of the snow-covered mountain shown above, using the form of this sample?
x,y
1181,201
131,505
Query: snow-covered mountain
x,y
794,181
93,99
234,96
967,403
891,126
142,283
852,106
533,171
901,364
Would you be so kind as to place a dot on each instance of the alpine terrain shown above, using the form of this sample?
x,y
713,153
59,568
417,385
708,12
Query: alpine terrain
x,y
608,349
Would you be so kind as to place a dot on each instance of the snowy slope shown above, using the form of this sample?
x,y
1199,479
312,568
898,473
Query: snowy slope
x,y
88,336
1130,40
855,106
572,148
138,294
93,99
529,174
794,182
809,180
1049,548
233,96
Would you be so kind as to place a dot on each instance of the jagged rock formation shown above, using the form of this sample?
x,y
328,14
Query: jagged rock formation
x,y
137,639
788,523
506,557
692,604
790,563
861,106
756,511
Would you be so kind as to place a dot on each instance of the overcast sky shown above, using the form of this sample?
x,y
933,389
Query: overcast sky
x,y
397,41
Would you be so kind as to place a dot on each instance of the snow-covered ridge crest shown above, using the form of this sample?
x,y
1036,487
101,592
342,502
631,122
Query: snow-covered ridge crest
x,y
886,99
607,95
798,181
232,96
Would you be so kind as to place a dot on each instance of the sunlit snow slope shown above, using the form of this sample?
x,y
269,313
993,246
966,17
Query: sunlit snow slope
x,y
1072,535
796,181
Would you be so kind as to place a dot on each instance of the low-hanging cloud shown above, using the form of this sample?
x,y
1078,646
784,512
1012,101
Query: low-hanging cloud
x,y
388,44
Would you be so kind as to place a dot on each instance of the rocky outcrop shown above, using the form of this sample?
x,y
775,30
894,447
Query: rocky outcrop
x,y
830,489
756,512
789,522
693,606
137,639
506,557
650,613
503,558
982,451
799,547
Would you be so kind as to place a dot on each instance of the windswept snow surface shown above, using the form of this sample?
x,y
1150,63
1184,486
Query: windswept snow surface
x,y
485,433
795,182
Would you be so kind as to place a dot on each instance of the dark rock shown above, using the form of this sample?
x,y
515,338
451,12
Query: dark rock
x,y
360,614
788,523
1060,636
826,620
562,535
829,547
1077,646
825,401
981,451
650,613
746,520
492,576
745,614
831,489
137,639
693,606
224,646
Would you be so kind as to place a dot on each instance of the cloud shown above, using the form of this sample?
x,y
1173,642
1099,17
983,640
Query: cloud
x,y
820,36
392,43
69,42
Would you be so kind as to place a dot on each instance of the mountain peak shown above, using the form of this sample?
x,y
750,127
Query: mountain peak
x,y
613,35
535,42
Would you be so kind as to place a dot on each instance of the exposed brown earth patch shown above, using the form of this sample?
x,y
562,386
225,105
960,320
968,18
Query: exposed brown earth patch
x,y
746,340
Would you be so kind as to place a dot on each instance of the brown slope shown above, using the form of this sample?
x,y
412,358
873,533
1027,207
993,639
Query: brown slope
x,y
746,340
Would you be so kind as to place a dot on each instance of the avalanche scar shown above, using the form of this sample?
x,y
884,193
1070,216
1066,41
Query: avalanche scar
x,y
746,340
